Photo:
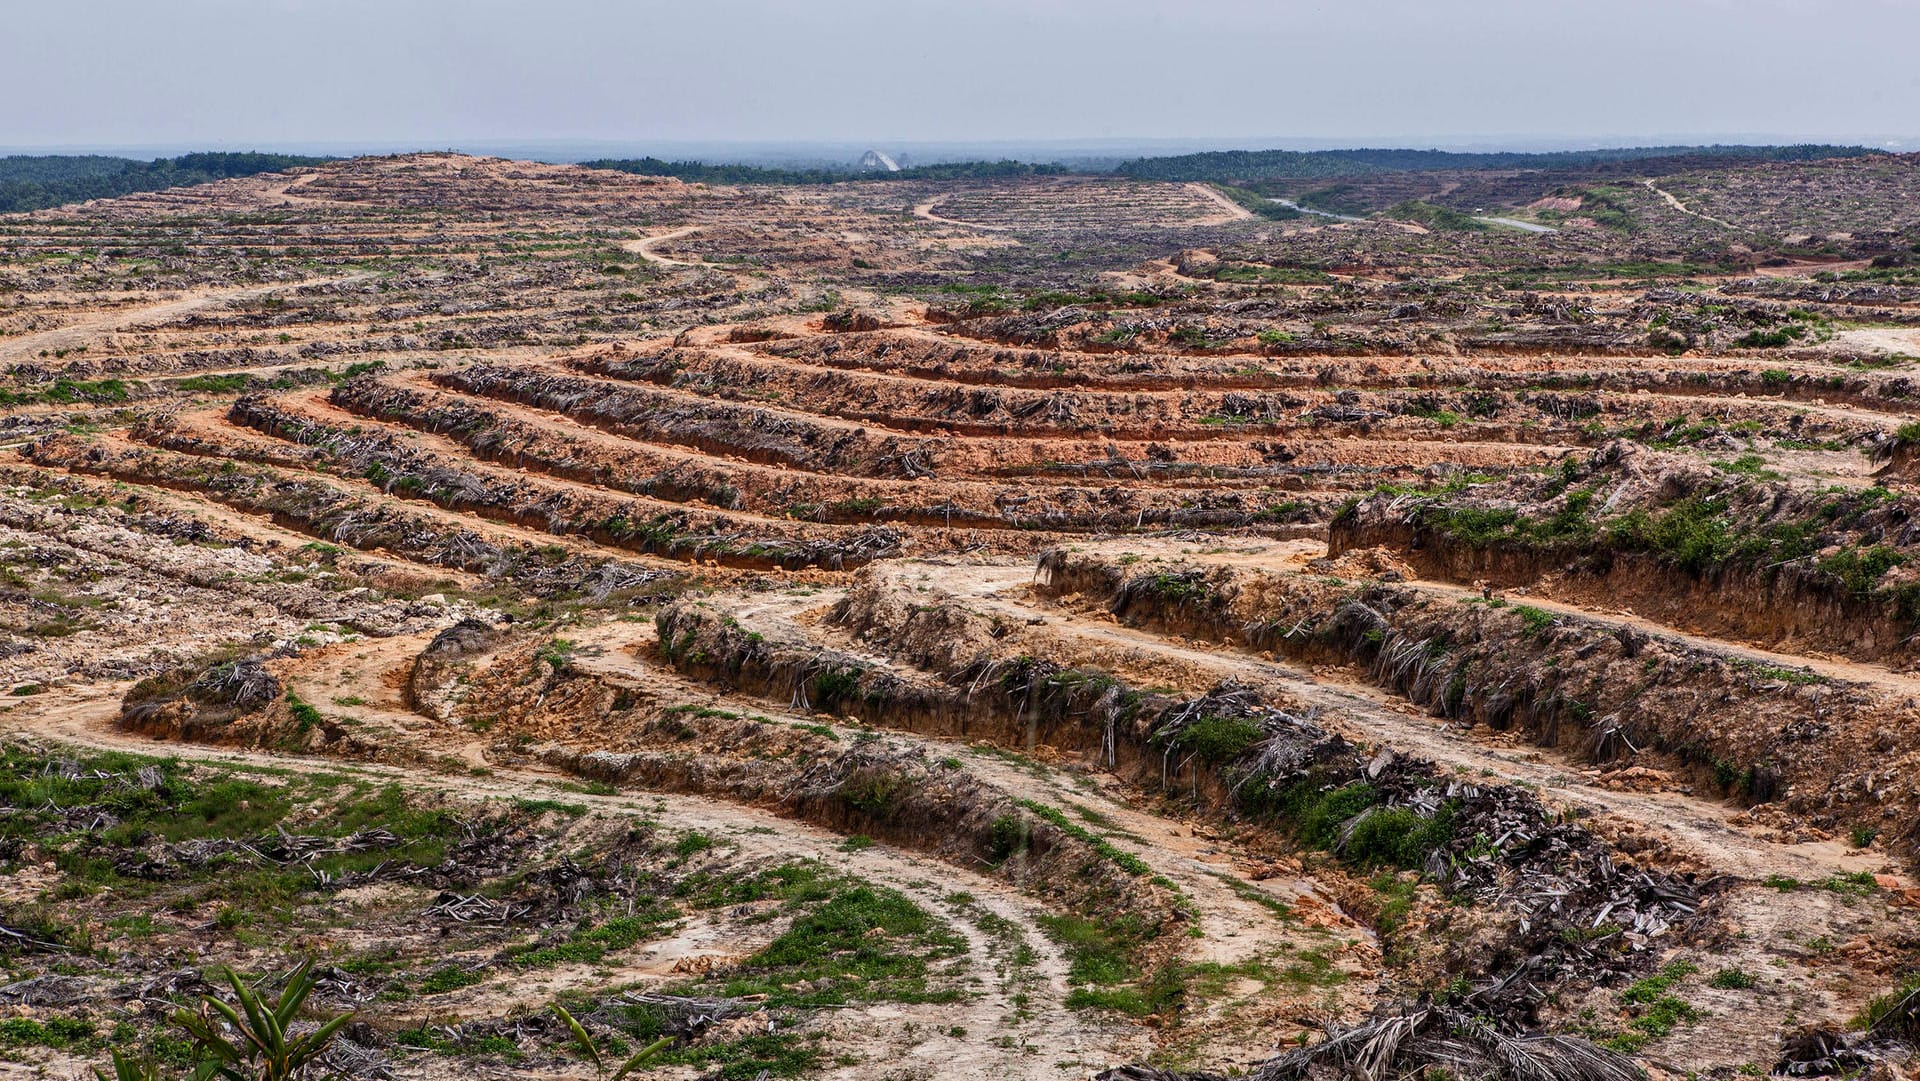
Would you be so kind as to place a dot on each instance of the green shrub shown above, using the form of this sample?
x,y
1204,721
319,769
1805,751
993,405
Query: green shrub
x,y
448,978
1007,836
872,791
214,384
55,1032
1218,740
1732,979
1534,620
1860,569
303,714
834,687
1314,811
1398,837
589,944
864,943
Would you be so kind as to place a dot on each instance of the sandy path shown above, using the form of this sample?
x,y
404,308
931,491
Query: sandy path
x,y
1836,668
83,331
315,406
285,192
1230,210
1702,827
1902,340
497,532
1293,554
925,211
1676,204
1235,926
240,523
645,247
1070,1039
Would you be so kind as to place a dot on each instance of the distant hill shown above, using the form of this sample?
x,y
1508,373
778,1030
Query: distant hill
x,y
34,182
1244,165
753,174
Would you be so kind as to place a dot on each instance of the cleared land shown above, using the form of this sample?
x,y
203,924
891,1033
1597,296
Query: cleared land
x,y
980,628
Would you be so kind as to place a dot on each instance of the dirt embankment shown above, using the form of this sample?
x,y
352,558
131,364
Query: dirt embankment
x,y
1225,752
1822,749
1777,607
1726,549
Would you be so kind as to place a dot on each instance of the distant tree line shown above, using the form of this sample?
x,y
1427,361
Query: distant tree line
x,y
1238,165
33,182
702,172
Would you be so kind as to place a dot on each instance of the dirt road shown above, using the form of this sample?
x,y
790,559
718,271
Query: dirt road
x,y
644,247
1703,827
1072,1040
1674,202
87,328
925,211
1229,210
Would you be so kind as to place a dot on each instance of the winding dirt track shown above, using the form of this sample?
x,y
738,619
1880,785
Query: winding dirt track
x,y
925,212
84,330
1230,210
1235,927
1072,1038
1674,202
645,246
1703,827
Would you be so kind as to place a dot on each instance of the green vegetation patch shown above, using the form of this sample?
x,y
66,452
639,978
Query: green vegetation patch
x,y
862,943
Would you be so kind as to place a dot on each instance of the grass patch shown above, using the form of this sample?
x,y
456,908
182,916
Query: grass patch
x,y
863,943
589,944
1100,959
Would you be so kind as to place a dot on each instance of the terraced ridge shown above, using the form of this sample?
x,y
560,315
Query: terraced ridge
x,y
824,452
1080,205
1271,627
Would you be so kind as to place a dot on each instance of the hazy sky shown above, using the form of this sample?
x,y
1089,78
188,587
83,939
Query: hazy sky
x,y
276,73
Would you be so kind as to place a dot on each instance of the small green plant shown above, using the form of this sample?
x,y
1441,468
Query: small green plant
x,y
1853,884
1007,836
302,713
1217,739
556,655
1752,465
128,1068
1536,620
591,1050
264,1047
1880,1006
1732,979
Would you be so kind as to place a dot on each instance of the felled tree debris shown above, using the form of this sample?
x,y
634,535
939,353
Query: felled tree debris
x,y
321,508
199,698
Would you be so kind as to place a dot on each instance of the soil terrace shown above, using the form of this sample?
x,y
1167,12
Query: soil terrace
x,y
1146,633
